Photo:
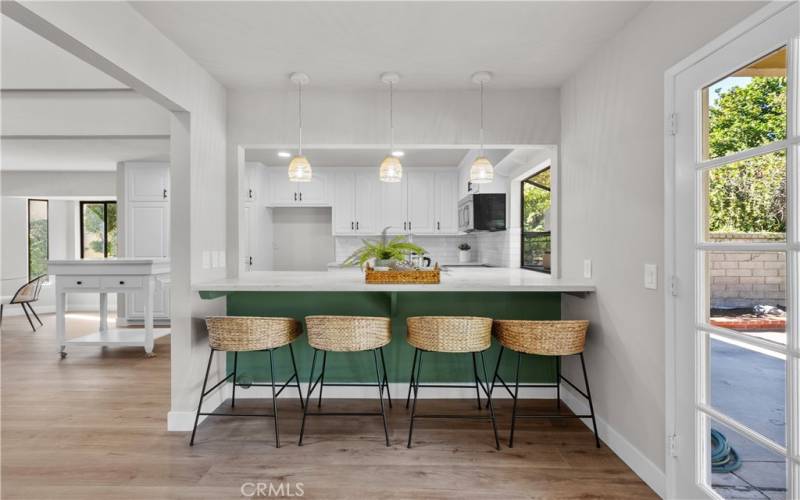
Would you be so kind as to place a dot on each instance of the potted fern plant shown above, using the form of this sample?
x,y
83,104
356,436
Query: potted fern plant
x,y
385,252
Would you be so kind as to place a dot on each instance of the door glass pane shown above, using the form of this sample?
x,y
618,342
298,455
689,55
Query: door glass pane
x,y
747,293
746,200
93,217
37,238
748,384
747,108
741,468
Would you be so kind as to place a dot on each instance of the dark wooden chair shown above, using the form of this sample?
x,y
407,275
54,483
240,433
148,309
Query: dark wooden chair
x,y
25,296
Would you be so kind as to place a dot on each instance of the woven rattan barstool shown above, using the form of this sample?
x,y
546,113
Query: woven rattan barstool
x,y
242,334
347,334
450,334
543,338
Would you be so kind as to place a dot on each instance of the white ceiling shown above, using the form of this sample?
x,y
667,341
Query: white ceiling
x,y
368,157
348,44
78,154
28,61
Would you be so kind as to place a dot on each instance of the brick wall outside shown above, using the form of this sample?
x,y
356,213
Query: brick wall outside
x,y
745,279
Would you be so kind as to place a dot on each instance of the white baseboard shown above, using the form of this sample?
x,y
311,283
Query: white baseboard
x,y
647,471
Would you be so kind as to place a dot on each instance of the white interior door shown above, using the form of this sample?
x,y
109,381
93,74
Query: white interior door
x,y
736,361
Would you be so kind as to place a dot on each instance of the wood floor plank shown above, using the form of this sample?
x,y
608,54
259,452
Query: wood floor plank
x,y
94,426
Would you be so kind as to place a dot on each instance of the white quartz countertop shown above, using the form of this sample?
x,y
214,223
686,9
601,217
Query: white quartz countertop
x,y
476,279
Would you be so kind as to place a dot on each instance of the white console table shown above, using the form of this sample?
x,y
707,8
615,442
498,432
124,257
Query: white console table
x,y
106,276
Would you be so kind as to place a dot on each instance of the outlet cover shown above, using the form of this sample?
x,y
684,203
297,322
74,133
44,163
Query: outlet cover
x,y
587,268
651,276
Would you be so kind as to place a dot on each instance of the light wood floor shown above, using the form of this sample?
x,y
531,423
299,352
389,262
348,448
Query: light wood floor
x,y
93,426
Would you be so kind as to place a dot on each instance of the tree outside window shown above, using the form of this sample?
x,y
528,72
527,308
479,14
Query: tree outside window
x,y
38,240
98,229
536,237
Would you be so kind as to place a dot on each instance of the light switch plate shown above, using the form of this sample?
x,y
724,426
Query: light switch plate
x,y
587,268
651,276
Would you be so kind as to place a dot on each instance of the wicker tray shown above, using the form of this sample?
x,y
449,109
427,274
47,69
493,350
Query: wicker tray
x,y
403,277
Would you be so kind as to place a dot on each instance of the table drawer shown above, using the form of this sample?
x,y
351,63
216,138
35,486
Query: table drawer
x,y
121,282
80,282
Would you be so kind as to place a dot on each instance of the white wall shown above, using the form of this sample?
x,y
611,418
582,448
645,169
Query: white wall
x,y
46,184
612,159
116,39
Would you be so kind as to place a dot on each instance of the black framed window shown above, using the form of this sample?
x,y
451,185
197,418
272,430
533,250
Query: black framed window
x,y
98,229
535,221
38,237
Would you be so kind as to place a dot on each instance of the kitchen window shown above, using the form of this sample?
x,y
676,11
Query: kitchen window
x,y
98,229
38,238
535,221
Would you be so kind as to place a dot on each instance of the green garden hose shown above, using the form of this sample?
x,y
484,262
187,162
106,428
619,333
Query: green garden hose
x,y
723,457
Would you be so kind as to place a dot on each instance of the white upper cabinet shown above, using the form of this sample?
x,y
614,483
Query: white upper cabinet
x,y
393,206
421,200
251,182
344,202
148,182
283,192
367,202
446,200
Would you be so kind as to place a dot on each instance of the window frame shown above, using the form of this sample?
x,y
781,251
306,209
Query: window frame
x,y
28,236
105,204
522,231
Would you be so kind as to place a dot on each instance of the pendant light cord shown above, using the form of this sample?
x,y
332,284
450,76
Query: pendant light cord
x,y
391,117
300,118
481,118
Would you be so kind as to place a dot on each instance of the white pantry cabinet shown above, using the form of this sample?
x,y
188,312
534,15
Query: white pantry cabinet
x,y
283,192
145,225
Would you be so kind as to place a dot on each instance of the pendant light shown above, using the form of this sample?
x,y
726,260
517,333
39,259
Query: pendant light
x,y
299,167
482,170
391,169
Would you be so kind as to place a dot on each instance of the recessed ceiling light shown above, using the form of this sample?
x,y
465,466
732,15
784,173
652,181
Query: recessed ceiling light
x,y
398,154
284,154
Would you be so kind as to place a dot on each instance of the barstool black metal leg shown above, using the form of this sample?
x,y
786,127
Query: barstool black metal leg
x,y
589,397
516,395
235,365
414,404
322,380
28,316
296,377
477,389
308,398
558,383
30,307
202,394
385,378
274,398
496,371
380,395
489,398
411,379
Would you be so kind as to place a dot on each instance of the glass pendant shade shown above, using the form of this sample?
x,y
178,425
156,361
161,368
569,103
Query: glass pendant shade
x,y
299,169
391,169
481,171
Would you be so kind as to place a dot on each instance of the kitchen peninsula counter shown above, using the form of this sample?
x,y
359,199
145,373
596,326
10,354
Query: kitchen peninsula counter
x,y
486,291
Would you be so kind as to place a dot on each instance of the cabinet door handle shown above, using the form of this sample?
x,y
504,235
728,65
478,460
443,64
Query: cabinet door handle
x,y
351,225
251,260
250,193
409,225
356,226
438,226
301,196
295,197
79,282
121,282
404,226
164,194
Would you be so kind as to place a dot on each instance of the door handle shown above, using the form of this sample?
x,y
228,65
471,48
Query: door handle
x,y
164,194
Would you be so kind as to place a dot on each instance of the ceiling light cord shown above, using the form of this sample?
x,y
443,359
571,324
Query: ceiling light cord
x,y
300,118
391,117
481,118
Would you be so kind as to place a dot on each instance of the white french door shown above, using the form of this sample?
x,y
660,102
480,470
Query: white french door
x,y
733,342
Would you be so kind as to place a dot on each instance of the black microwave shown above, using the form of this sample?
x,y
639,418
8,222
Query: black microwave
x,y
482,212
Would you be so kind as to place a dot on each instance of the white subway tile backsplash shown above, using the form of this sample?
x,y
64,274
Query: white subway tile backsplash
x,y
442,249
